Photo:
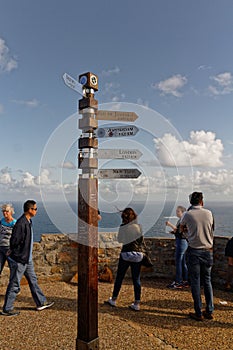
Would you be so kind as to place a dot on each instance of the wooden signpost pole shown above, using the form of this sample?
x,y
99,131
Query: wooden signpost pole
x,y
87,338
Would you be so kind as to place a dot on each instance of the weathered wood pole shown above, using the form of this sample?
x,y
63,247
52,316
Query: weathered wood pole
x,y
87,334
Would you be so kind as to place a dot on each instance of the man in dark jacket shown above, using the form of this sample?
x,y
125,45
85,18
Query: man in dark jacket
x,y
20,254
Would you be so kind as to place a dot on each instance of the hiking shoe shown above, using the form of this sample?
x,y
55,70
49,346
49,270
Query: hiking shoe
x,y
45,305
196,317
135,307
111,302
175,285
207,315
10,313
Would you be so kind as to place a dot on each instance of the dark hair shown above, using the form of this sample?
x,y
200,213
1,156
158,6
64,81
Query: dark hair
x,y
128,215
28,205
196,198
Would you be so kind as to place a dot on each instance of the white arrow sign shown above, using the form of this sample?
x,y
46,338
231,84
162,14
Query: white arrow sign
x,y
73,84
117,131
118,173
119,153
116,116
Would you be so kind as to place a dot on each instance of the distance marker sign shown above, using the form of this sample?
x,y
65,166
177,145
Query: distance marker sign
x,y
119,173
73,84
116,116
117,131
119,153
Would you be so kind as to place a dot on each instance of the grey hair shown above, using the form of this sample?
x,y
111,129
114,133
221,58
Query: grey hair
x,y
8,205
183,209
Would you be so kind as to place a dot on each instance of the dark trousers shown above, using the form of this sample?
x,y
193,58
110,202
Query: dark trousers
x,y
135,272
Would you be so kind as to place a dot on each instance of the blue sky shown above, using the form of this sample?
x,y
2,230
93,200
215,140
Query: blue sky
x,y
173,57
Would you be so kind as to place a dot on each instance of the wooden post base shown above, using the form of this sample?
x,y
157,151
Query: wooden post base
x,y
92,345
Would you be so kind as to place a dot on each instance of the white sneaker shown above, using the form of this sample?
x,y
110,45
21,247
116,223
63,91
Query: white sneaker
x,y
45,305
135,307
111,302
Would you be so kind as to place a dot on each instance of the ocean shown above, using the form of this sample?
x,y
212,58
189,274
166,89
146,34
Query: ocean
x,y
57,218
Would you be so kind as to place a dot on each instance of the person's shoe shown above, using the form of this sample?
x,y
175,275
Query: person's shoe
x,y
10,313
45,305
185,284
111,302
207,315
175,285
196,317
171,284
135,307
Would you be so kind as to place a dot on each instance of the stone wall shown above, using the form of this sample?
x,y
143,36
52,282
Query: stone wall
x,y
55,258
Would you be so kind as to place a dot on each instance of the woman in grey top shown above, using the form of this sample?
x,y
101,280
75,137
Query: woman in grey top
x,y
130,234
6,226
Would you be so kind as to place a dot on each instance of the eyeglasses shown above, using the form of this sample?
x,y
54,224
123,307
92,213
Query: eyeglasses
x,y
5,211
34,209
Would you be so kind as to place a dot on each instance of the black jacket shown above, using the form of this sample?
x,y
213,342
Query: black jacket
x,y
20,241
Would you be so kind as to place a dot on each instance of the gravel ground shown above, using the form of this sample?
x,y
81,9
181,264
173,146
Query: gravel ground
x,y
162,323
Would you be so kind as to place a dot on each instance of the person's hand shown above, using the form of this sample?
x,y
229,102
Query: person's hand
x,y
167,223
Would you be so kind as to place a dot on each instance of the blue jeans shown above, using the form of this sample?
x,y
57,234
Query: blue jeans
x,y
200,263
135,272
16,273
181,267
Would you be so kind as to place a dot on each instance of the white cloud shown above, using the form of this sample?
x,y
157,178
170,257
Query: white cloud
x,y
223,84
7,62
204,67
142,102
142,186
44,177
28,103
218,182
112,71
68,165
223,79
5,178
28,180
171,85
25,183
112,92
203,149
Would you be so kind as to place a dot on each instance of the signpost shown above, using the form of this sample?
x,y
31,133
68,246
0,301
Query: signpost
x,y
73,84
87,332
117,131
119,153
119,173
116,116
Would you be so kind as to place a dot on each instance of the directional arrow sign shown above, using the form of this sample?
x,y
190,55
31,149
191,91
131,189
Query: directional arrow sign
x,y
116,116
117,131
118,173
119,153
73,84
